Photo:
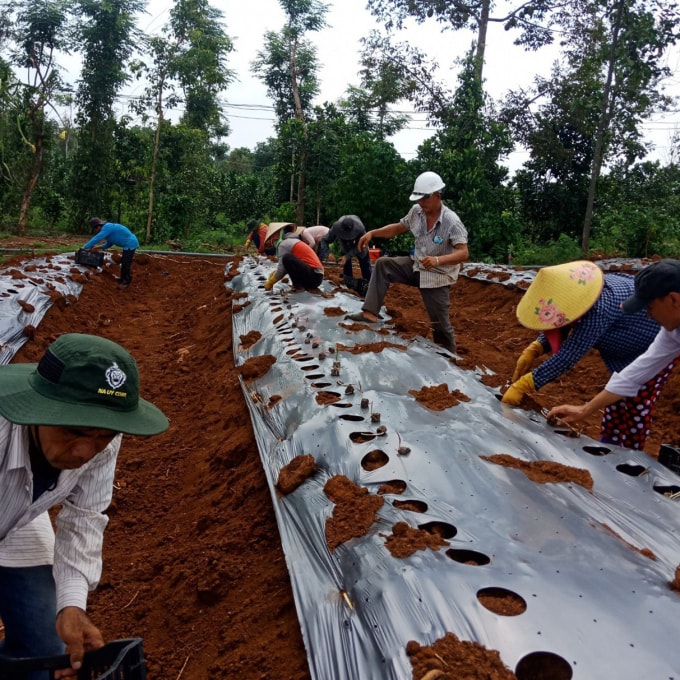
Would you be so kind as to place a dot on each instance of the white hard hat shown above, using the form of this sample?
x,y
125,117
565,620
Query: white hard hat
x,y
425,184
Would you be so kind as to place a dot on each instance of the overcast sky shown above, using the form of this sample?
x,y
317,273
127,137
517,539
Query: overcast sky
x,y
249,109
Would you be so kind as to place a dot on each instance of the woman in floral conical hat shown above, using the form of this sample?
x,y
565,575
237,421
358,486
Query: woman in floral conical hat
x,y
576,308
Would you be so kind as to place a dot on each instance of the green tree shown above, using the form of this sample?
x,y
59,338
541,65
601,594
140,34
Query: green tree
x,y
408,73
38,34
639,211
190,56
373,182
187,183
630,38
159,94
240,161
198,60
531,18
589,113
552,184
10,143
465,152
107,36
288,66
327,131
368,107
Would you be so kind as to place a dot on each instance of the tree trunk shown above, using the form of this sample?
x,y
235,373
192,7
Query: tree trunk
x,y
299,114
302,184
154,163
481,39
30,185
602,126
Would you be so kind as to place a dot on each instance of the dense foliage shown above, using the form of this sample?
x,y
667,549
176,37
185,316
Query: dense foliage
x,y
585,185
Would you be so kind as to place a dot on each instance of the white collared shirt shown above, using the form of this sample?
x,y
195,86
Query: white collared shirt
x,y
26,534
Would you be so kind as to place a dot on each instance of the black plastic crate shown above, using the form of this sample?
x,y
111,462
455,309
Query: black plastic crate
x,y
91,258
670,458
118,660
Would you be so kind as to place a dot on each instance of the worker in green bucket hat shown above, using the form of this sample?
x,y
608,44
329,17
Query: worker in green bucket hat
x,y
61,425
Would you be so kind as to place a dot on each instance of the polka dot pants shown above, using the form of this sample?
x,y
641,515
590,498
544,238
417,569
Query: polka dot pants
x,y
628,422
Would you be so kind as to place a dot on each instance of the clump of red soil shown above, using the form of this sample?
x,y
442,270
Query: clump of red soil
x,y
544,471
295,473
237,308
406,540
438,397
26,306
358,326
452,659
675,583
249,339
334,311
493,380
370,347
354,512
256,367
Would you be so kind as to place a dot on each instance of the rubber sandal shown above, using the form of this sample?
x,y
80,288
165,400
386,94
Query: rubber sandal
x,y
359,318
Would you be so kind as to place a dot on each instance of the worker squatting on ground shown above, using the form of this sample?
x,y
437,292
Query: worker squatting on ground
x,y
657,289
257,235
440,249
297,260
60,430
577,307
115,235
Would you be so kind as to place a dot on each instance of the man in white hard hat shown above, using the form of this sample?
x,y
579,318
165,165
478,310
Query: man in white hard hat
x,y
440,248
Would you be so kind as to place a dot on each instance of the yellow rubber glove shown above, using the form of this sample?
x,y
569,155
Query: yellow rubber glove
x,y
526,359
518,389
270,281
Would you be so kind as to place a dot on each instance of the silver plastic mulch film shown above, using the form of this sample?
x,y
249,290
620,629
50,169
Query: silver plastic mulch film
x,y
592,566
24,297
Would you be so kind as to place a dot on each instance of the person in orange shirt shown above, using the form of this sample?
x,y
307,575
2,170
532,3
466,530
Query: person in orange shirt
x,y
257,234
297,260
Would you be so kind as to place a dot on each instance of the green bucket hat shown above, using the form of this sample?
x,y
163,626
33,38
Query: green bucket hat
x,y
81,381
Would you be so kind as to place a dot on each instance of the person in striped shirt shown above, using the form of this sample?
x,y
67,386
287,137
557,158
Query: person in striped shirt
x,y
440,249
61,424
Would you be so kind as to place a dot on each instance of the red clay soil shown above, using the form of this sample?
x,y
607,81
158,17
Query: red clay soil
x,y
193,561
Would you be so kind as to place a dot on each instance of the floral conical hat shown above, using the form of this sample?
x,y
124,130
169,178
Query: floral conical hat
x,y
559,295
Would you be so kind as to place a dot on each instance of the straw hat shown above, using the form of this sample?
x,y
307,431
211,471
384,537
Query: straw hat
x,y
274,228
559,295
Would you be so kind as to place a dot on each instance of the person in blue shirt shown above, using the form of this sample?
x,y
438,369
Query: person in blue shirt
x,y
115,235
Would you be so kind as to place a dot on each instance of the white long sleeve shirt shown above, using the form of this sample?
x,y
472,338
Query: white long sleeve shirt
x,y
664,348
26,534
